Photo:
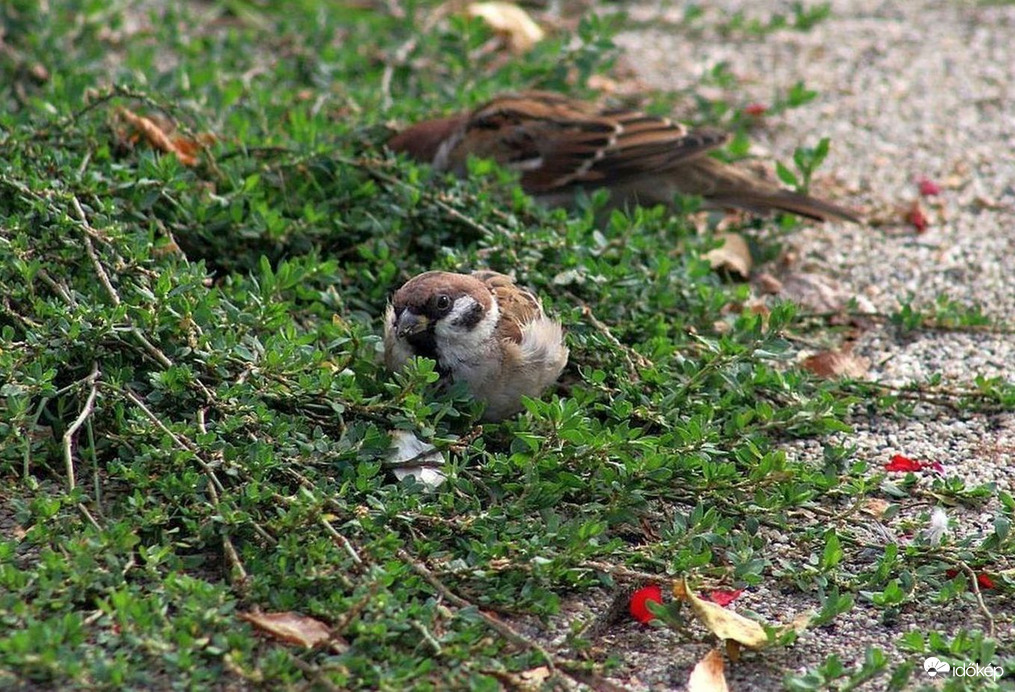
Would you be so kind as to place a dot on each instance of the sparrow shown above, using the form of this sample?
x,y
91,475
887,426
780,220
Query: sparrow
x,y
481,329
560,145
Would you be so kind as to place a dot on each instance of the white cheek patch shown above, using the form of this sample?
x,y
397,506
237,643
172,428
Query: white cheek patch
x,y
458,343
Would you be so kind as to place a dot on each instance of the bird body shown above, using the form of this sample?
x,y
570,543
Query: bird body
x,y
560,145
481,329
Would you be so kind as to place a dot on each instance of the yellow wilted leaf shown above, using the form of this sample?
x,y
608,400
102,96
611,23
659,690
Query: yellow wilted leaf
x,y
290,627
723,623
511,22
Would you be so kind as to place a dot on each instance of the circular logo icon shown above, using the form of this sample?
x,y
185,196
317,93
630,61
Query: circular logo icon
x,y
935,666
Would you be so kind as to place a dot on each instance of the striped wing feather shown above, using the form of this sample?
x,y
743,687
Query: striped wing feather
x,y
518,307
556,142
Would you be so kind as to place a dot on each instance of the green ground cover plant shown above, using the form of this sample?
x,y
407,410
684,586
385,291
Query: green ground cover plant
x,y
194,418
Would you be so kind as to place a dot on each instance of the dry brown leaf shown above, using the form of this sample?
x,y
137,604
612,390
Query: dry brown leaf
x,y
290,627
834,364
733,255
160,134
532,679
709,675
535,677
723,623
876,507
817,292
768,284
598,82
510,21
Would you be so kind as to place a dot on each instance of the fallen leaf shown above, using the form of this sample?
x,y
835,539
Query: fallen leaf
x,y
640,599
834,364
724,597
535,676
819,293
709,674
410,456
733,255
290,627
876,507
510,21
598,82
723,623
768,284
161,135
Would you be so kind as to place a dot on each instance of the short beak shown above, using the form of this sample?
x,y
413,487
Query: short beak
x,y
410,323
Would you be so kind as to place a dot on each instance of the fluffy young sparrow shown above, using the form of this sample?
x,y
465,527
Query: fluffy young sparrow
x,y
482,329
560,145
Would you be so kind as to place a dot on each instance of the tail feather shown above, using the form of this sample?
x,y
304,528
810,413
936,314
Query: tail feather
x,y
763,202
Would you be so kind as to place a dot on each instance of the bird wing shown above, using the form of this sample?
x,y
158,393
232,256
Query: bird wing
x,y
518,306
556,142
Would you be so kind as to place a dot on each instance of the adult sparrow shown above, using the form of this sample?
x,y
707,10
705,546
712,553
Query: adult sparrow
x,y
483,330
560,145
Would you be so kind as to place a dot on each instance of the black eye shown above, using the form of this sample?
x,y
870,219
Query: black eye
x,y
443,303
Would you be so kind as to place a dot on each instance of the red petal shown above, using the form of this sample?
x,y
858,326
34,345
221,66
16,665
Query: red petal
x,y
917,218
901,463
755,109
724,597
984,581
934,466
928,187
640,600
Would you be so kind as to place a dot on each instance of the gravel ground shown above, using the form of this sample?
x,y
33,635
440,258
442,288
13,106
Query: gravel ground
x,y
907,91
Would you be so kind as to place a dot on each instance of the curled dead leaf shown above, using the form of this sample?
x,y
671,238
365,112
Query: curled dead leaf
x,y
709,675
290,627
723,623
519,30
733,255
876,507
160,133
531,679
839,363
410,456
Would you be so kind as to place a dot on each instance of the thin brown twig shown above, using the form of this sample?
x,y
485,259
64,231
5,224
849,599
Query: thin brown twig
x,y
181,442
342,541
227,542
499,626
156,353
72,431
314,672
59,289
975,582
634,359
